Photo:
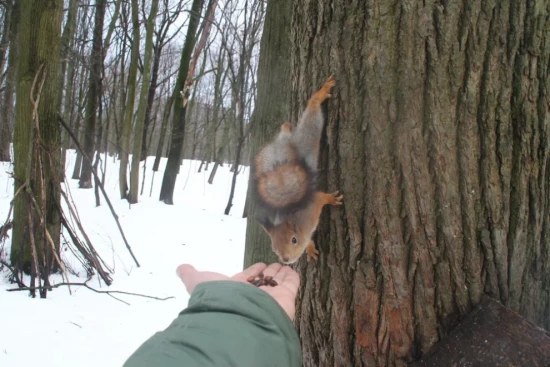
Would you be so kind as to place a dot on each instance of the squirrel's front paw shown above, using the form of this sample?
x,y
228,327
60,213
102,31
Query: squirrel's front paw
x,y
311,251
335,199
324,92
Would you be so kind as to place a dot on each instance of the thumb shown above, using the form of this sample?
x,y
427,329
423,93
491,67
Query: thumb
x,y
188,275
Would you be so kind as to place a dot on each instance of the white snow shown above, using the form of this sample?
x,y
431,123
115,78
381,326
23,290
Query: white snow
x,y
90,329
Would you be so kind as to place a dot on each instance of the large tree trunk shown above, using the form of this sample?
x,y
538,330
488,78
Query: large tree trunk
x,y
271,110
437,136
94,95
38,61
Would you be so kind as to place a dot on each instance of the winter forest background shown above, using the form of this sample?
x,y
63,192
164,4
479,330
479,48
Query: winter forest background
x,y
126,132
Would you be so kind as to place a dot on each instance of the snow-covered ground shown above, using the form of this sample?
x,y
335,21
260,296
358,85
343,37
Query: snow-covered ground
x,y
90,329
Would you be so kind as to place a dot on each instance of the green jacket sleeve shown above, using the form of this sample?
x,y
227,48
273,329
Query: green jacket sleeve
x,y
226,323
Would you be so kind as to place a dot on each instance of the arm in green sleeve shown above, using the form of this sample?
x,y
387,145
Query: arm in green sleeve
x,y
226,323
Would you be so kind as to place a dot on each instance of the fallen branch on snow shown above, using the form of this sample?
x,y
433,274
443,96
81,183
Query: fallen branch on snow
x,y
50,287
98,182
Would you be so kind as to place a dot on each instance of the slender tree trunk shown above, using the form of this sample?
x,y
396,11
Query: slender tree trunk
x,y
163,132
138,131
94,95
150,100
67,42
130,101
76,119
38,61
7,109
179,109
271,110
437,135
122,93
5,39
77,122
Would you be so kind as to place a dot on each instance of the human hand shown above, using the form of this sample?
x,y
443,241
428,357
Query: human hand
x,y
284,293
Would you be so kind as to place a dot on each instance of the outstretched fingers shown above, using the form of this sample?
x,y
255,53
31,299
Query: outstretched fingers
x,y
191,277
251,271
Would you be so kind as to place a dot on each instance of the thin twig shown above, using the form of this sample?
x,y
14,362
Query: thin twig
x,y
4,228
118,299
92,289
47,235
14,273
34,252
64,124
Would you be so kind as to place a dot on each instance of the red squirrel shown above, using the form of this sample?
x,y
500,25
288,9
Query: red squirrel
x,y
284,183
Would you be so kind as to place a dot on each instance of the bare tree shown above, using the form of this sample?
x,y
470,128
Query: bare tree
x,y
138,131
130,101
94,94
179,107
168,16
67,74
7,113
240,76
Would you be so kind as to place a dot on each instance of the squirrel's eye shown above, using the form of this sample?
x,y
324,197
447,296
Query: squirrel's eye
x,y
293,240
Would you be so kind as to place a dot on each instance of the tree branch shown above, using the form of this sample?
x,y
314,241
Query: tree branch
x,y
75,139
90,288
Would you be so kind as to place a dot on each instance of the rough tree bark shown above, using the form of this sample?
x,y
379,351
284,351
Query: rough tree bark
x,y
437,136
271,110
40,32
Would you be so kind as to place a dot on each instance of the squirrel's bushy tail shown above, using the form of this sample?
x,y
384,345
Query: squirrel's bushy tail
x,y
282,182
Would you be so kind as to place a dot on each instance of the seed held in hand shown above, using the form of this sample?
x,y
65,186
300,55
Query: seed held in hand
x,y
260,280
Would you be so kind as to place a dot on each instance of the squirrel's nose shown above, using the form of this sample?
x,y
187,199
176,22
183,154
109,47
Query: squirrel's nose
x,y
285,258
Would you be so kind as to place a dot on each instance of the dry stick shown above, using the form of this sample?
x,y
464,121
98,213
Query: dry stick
x,y
48,236
3,231
95,258
17,279
77,254
92,289
4,228
71,134
36,136
90,257
34,253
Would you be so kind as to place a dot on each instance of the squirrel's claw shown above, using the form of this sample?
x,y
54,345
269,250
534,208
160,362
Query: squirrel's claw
x,y
311,252
335,199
